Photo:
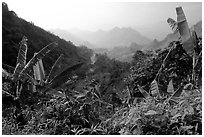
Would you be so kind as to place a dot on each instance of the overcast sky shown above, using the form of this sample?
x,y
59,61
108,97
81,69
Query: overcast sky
x,y
148,18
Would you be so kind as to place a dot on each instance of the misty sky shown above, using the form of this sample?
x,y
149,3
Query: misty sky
x,y
148,18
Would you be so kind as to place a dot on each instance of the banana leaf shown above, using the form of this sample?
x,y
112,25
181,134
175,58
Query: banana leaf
x,y
37,57
63,76
54,69
184,31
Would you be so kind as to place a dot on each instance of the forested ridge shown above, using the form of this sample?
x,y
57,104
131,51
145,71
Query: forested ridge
x,y
52,87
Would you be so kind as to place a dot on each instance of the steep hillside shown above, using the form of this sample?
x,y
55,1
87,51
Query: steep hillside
x,y
14,28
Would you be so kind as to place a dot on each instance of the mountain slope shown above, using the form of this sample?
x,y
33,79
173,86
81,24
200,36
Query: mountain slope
x,y
116,37
126,53
14,28
67,36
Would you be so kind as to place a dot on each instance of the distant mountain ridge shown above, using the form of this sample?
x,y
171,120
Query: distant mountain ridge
x,y
67,36
116,37
125,54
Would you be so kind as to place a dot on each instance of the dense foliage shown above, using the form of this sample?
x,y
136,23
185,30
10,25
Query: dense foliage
x,y
158,93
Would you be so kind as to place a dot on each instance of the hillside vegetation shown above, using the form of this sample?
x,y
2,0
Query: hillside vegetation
x,y
67,90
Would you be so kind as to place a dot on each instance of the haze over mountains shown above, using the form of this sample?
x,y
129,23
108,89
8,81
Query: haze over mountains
x,y
116,37
118,43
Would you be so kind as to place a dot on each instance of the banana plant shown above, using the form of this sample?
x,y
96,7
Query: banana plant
x,y
187,37
22,70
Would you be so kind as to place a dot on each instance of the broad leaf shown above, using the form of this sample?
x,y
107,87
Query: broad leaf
x,y
173,24
17,71
63,76
54,68
184,30
175,97
178,91
154,89
21,59
22,52
170,88
144,92
39,72
37,57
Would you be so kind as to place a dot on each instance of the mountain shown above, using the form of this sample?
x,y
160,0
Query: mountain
x,y
126,53
13,30
64,34
67,36
116,37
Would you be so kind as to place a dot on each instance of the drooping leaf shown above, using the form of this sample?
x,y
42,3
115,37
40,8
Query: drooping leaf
x,y
178,92
144,92
63,76
173,24
184,30
37,57
39,72
24,76
54,68
154,89
174,99
170,88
